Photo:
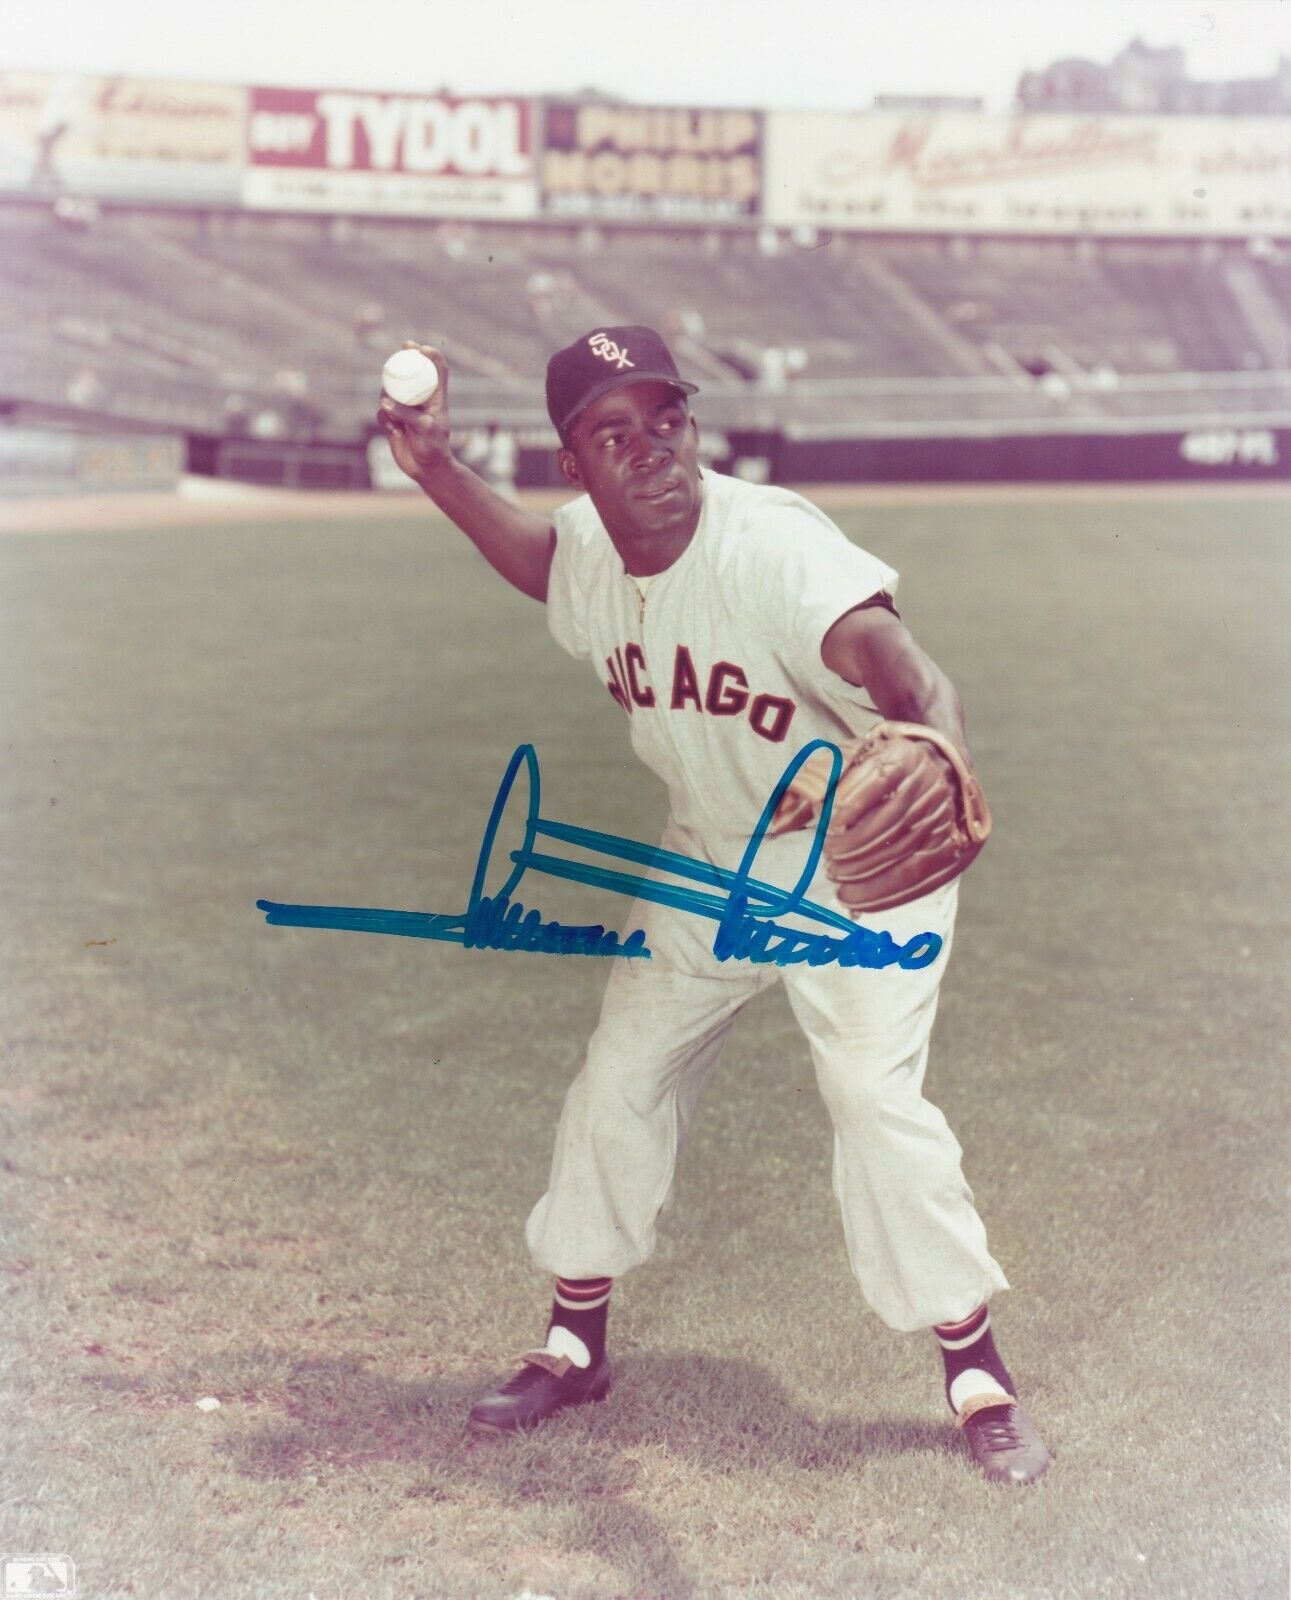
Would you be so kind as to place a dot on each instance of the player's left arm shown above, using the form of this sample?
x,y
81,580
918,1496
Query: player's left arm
x,y
872,648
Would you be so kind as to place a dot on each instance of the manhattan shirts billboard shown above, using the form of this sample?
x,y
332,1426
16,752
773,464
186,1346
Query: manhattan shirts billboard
x,y
148,139
389,154
1029,174
646,162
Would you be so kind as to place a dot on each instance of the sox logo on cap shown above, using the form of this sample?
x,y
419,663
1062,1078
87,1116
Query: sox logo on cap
x,y
602,345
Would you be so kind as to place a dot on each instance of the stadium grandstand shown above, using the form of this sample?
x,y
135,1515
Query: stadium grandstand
x,y
996,279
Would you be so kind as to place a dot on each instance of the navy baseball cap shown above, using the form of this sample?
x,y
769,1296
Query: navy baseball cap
x,y
605,359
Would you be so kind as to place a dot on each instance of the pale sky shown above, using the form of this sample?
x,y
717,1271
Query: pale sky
x,y
773,53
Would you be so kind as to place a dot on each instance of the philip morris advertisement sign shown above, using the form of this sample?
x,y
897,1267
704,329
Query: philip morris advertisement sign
x,y
1029,174
389,154
644,162
121,137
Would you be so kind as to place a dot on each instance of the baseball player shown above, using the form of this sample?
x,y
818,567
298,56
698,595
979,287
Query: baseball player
x,y
731,624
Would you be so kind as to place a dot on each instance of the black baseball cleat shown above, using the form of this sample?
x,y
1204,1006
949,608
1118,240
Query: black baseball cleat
x,y
544,1385
1003,1439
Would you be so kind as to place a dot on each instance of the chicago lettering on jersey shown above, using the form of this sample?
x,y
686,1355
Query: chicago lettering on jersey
x,y
723,692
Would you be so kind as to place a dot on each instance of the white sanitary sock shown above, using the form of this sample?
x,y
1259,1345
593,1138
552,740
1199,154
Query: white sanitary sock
x,y
973,1381
561,1342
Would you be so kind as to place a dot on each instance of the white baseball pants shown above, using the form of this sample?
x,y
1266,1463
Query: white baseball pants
x,y
915,1242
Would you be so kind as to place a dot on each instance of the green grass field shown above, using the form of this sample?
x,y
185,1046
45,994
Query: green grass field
x,y
289,1169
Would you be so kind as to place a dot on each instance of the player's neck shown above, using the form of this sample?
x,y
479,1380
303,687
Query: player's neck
x,y
643,558
646,553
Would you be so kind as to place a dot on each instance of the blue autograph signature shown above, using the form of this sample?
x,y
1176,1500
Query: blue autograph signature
x,y
744,907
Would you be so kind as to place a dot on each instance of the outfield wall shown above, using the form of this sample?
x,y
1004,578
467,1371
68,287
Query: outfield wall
x,y
42,461
45,461
1205,454
1134,454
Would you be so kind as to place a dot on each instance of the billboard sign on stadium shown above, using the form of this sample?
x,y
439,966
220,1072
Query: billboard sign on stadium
x,y
668,163
390,154
1047,173
147,139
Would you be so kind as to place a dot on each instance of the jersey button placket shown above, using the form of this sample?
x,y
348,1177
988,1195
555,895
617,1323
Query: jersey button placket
x,y
639,601
640,596
665,729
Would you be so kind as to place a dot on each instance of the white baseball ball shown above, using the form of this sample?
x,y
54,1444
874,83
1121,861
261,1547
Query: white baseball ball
x,y
410,377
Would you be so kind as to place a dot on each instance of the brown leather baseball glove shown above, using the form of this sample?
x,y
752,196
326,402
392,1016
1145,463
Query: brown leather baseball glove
x,y
903,821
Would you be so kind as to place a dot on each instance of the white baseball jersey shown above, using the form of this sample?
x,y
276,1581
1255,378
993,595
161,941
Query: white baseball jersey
x,y
716,661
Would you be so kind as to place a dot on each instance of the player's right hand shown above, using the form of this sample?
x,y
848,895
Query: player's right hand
x,y
419,435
